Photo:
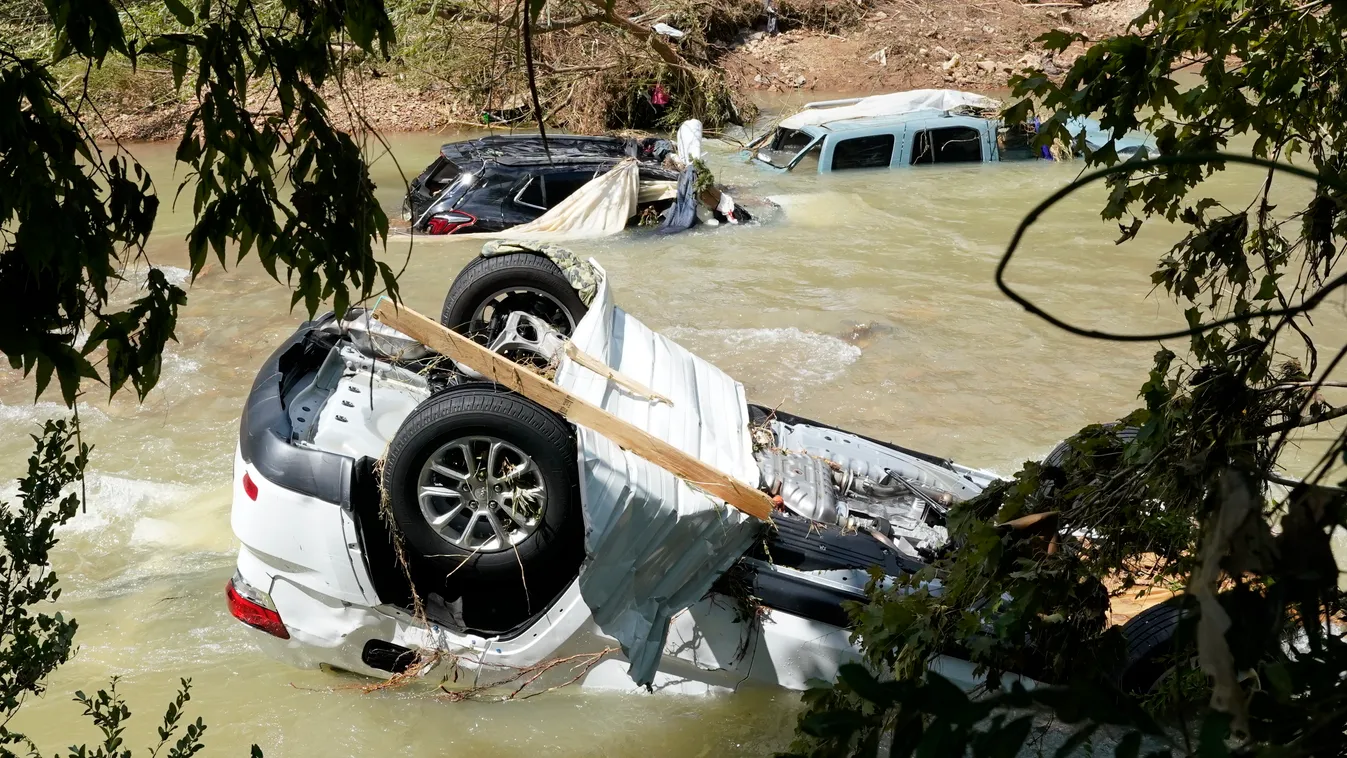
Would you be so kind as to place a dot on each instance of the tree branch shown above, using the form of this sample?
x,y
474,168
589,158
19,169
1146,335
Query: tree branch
x,y
459,13
566,23
664,50
1302,421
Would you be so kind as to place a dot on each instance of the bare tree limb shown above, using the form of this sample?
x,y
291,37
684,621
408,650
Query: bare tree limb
x,y
663,49
458,13
1306,420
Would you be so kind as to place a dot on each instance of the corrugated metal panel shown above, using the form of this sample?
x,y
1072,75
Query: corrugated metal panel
x,y
654,543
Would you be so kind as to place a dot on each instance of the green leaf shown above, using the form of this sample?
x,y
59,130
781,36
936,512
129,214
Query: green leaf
x,y
863,683
1267,289
1017,113
180,12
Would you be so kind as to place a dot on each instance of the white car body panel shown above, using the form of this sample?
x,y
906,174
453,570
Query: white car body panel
x,y
654,543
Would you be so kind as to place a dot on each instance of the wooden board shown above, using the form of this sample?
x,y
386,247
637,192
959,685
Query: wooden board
x,y
616,377
578,411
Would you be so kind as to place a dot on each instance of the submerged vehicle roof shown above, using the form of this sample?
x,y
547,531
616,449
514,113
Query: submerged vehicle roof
x,y
525,149
892,108
897,108
874,122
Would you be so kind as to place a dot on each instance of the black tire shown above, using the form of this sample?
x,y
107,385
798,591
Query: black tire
x,y
486,278
548,556
1058,454
1151,642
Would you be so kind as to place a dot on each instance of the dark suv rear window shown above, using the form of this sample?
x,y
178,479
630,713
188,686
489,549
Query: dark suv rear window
x,y
441,174
547,190
562,186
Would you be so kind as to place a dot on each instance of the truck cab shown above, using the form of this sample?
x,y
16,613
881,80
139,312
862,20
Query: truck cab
x,y
888,142
920,127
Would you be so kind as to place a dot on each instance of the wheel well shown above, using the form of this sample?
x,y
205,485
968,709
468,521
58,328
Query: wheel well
x,y
395,581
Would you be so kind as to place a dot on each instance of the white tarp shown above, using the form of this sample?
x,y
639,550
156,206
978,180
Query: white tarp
x,y
893,104
653,543
600,208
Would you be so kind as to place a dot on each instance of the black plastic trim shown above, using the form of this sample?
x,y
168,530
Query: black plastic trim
x,y
264,429
798,595
387,656
811,546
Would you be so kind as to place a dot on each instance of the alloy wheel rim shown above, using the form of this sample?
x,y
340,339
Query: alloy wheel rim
x,y
481,493
490,316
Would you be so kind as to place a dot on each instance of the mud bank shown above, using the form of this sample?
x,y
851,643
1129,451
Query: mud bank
x,y
828,46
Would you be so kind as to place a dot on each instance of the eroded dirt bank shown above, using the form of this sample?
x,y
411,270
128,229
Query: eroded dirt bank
x,y
909,44
825,46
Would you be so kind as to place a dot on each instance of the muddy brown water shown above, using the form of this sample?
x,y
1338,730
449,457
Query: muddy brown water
x,y
866,302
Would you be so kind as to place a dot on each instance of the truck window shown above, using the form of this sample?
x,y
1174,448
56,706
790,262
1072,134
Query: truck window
x,y
790,141
952,144
808,162
863,152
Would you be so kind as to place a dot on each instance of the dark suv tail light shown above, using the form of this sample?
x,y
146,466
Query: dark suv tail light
x,y
254,607
448,223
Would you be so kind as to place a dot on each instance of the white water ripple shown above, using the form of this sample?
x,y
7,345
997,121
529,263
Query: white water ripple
x,y
766,357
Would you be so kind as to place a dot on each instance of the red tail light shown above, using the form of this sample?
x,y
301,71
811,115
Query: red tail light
x,y
448,223
254,613
249,487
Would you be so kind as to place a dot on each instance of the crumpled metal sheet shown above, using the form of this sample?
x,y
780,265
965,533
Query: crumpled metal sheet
x,y
653,543
583,276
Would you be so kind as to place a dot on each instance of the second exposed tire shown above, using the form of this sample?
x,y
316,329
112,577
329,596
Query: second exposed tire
x,y
1151,645
489,288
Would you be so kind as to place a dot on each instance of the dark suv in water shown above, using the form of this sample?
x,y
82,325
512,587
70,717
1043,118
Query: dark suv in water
x,y
494,183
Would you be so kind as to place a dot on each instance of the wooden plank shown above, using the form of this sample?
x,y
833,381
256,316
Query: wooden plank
x,y
575,409
617,377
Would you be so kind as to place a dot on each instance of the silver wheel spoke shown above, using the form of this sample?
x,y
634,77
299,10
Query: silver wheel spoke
x,y
500,532
508,506
466,539
493,460
445,518
443,470
468,460
496,482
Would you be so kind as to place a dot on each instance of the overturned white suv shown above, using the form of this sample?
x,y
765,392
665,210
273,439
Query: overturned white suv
x,y
396,512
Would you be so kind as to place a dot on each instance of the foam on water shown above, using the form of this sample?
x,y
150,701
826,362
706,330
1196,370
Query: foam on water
x,y
176,276
118,501
16,416
804,359
829,209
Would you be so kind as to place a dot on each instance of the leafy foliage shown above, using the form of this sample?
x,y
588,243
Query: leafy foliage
x,y
109,713
1185,490
32,642
273,176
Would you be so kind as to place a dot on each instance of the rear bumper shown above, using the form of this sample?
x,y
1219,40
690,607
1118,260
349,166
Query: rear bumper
x,y
305,554
264,429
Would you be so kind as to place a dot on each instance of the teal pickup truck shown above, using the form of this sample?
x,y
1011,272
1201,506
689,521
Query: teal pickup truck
x,y
909,129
